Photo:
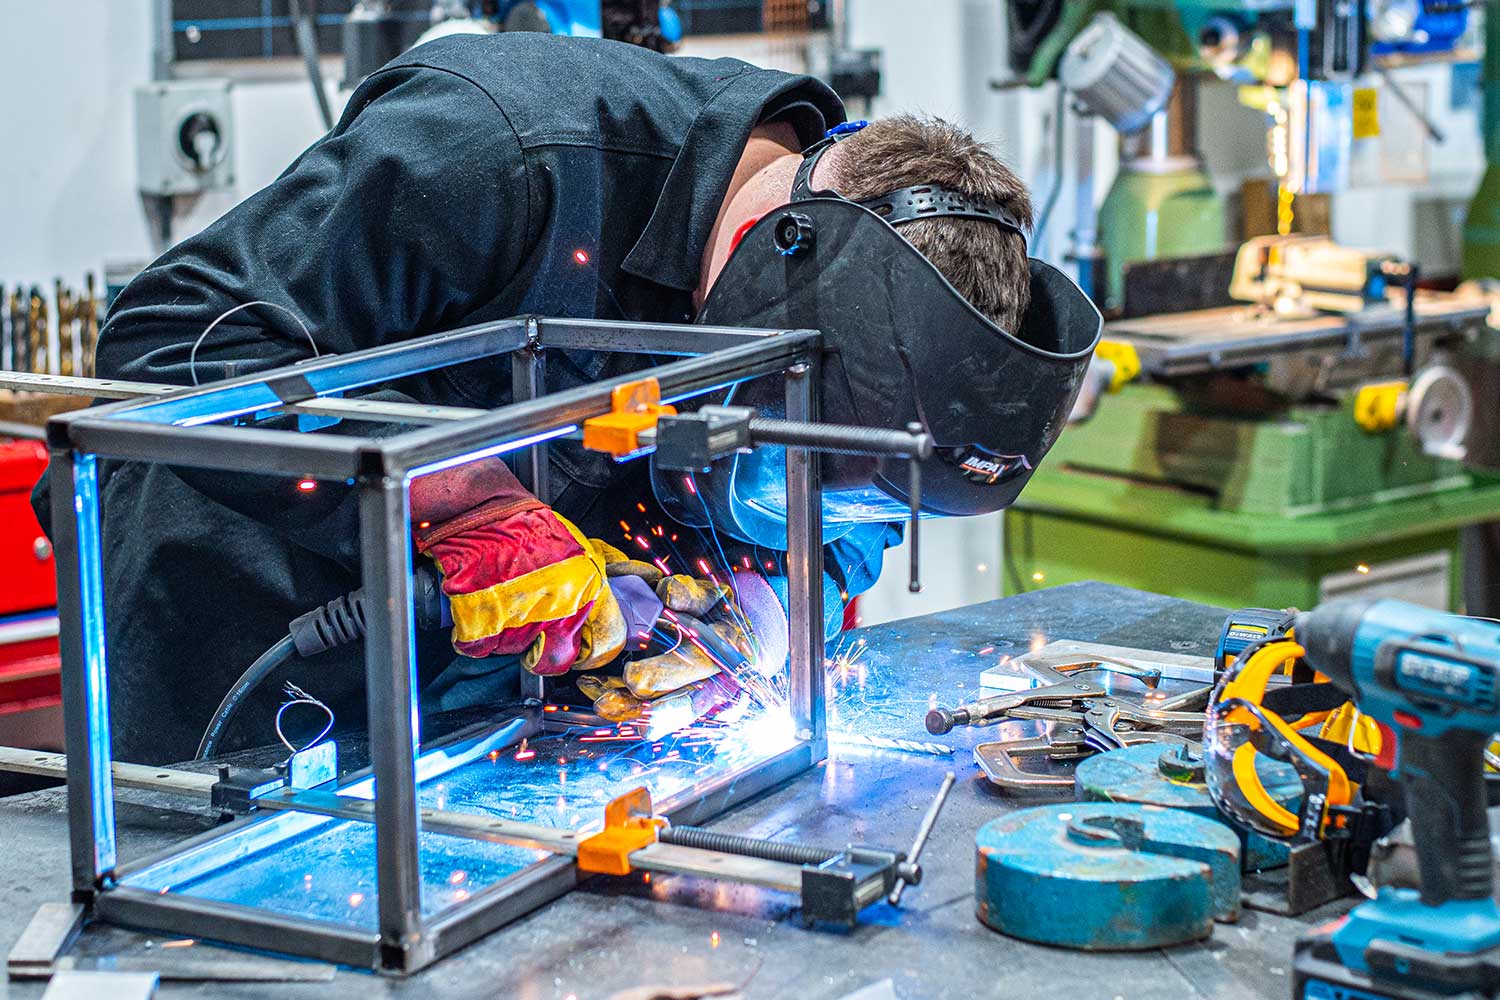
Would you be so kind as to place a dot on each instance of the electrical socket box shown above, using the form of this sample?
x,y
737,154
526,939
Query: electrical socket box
x,y
184,136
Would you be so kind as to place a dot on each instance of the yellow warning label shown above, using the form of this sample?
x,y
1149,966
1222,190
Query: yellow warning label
x,y
1366,113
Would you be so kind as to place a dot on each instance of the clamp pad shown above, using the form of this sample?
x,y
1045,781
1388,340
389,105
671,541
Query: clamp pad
x,y
628,826
634,409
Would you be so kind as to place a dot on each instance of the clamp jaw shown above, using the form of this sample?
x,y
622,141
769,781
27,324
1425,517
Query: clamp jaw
x,y
834,884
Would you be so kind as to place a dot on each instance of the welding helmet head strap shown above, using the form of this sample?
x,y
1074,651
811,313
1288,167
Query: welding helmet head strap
x,y
908,204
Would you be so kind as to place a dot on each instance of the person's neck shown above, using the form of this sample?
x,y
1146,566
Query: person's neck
x,y
762,181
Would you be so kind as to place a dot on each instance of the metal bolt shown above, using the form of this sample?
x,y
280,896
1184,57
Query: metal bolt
x,y
41,548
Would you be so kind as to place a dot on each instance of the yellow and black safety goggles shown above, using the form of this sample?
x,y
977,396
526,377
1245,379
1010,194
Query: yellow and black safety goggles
x,y
1264,771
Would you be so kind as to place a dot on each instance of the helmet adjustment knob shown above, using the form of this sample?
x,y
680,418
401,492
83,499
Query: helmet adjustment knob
x,y
794,234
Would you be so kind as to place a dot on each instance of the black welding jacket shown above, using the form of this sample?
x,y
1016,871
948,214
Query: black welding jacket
x,y
460,185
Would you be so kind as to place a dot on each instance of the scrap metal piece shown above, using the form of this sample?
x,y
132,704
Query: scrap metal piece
x,y
52,931
313,766
1309,879
92,985
1100,876
923,832
207,964
1016,674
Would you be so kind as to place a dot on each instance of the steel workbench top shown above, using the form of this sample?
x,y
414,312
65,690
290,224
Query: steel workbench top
x,y
613,934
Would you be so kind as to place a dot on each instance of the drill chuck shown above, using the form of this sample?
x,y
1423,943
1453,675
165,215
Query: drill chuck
x,y
1329,634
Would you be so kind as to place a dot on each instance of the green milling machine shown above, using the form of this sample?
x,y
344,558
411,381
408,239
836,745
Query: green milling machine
x,y
1254,454
1259,460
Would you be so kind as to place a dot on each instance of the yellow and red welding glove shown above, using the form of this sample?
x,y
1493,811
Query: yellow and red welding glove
x,y
520,578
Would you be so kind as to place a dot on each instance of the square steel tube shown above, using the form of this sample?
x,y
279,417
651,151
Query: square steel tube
x,y
328,375
643,338
383,468
423,447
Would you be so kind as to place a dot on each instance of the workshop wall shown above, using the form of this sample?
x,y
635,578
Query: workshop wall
x,y
68,198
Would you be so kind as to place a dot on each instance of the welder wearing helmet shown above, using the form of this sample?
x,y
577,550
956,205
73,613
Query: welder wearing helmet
x,y
480,177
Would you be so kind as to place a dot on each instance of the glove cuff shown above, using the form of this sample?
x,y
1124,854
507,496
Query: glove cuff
x,y
428,534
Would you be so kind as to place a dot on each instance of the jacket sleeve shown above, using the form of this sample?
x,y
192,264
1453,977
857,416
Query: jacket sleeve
x,y
411,214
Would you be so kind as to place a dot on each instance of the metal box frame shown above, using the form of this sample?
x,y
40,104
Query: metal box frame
x,y
187,428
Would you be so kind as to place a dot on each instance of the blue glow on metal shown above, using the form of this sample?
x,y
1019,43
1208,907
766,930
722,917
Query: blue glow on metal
x,y
91,619
403,587
488,452
701,392
354,373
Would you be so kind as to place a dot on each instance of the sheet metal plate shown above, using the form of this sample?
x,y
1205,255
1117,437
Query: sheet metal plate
x,y
323,869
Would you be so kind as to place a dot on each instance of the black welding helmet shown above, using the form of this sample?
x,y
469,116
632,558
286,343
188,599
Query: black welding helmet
x,y
902,347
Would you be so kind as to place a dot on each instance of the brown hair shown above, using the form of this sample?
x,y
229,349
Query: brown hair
x,y
987,264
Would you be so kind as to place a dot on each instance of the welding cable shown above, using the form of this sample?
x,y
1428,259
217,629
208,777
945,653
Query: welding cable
x,y
283,651
338,623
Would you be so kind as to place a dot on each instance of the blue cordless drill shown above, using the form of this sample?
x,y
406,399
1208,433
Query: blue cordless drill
x,y
1435,679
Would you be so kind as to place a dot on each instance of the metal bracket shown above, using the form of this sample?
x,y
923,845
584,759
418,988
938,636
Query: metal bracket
x,y
238,788
691,442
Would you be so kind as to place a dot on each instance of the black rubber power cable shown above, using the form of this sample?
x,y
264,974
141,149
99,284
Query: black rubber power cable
x,y
339,622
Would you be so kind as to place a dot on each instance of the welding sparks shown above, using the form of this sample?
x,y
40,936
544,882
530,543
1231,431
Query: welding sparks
x,y
1038,576
581,256
307,485
691,486
1362,569
523,752
713,940
355,898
